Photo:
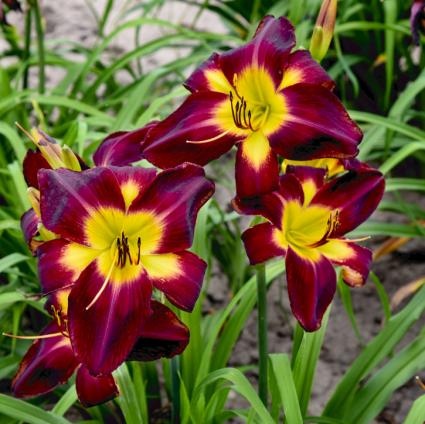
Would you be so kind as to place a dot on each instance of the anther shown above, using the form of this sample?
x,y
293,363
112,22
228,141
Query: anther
x,y
139,243
242,117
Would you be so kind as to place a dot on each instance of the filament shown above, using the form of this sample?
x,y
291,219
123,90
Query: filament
x,y
208,140
42,336
102,289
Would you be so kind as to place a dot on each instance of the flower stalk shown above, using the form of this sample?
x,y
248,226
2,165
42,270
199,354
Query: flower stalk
x,y
262,333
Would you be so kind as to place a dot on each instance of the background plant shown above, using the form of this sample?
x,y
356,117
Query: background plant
x,y
379,77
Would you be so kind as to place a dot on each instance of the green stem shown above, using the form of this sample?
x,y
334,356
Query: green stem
x,y
175,390
40,45
27,46
262,332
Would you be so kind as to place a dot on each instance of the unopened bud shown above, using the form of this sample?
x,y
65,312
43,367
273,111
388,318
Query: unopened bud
x,y
70,160
49,148
323,30
34,198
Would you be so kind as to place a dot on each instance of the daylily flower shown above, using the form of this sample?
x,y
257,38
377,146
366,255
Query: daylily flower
x,y
417,20
123,231
264,98
119,149
50,360
308,219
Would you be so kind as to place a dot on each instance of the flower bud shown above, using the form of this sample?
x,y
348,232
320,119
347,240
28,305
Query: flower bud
x,y
417,20
323,30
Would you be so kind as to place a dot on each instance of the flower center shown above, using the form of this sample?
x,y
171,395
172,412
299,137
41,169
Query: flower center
x,y
243,116
254,102
124,253
308,227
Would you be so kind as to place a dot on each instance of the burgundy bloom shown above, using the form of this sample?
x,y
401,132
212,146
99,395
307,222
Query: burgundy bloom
x,y
308,219
123,231
417,20
266,100
118,149
50,360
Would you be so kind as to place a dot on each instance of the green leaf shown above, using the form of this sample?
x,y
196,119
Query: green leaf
x,y
15,141
383,296
389,123
345,294
66,401
416,414
306,360
414,184
10,260
387,229
282,374
390,12
375,352
400,155
127,399
30,414
372,398
240,384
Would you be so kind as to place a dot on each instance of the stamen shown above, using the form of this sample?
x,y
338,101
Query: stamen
x,y
357,239
102,289
332,224
139,243
208,140
127,249
249,121
419,382
242,117
42,336
119,252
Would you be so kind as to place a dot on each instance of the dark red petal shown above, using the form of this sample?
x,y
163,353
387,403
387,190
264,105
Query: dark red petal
x,y
355,194
29,226
167,144
68,197
302,68
163,335
307,173
33,162
140,178
47,363
103,335
311,288
271,205
198,81
94,390
121,148
183,284
261,243
356,266
52,271
253,177
175,197
269,49
316,126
